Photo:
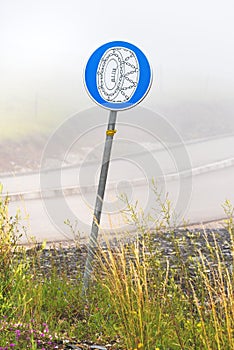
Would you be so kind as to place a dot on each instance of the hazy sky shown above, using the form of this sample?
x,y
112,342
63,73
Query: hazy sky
x,y
45,45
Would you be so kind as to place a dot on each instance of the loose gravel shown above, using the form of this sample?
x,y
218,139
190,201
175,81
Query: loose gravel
x,y
70,258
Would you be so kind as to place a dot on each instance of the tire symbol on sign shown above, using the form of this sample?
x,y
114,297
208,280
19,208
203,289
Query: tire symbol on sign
x,y
117,75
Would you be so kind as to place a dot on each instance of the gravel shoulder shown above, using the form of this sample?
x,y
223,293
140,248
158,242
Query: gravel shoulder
x,y
72,254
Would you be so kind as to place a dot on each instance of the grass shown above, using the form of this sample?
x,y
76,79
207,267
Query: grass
x,y
20,126
20,130
137,298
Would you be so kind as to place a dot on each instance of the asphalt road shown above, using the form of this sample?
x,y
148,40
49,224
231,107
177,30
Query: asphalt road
x,y
197,193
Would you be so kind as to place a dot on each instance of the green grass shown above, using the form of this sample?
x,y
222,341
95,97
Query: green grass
x,y
137,299
20,126
20,129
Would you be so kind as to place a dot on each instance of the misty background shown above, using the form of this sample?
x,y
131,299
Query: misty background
x,y
45,46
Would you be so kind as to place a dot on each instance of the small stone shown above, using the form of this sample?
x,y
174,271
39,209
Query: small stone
x,y
72,347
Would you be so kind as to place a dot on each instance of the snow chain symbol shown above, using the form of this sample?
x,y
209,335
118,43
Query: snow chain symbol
x,y
118,75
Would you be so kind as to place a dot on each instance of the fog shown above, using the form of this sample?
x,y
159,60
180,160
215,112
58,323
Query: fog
x,y
46,44
44,48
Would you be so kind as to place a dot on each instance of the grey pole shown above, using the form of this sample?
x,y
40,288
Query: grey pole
x,y
99,200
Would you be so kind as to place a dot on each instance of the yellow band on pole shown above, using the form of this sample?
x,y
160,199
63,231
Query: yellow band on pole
x,y
111,132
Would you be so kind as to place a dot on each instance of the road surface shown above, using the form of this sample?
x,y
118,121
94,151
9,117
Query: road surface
x,y
198,193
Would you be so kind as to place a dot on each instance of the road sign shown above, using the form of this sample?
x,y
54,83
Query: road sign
x,y
118,75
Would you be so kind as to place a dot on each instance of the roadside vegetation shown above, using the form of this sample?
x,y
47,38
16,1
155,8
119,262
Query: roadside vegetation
x,y
17,129
138,297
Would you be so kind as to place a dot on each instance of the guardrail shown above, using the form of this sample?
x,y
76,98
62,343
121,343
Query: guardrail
x,y
77,190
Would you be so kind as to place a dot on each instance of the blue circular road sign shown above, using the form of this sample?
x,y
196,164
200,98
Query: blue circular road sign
x,y
118,75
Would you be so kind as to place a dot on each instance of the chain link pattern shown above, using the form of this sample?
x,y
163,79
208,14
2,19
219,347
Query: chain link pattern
x,y
125,75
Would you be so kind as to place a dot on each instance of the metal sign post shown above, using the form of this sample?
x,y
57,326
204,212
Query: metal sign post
x,y
117,77
100,196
